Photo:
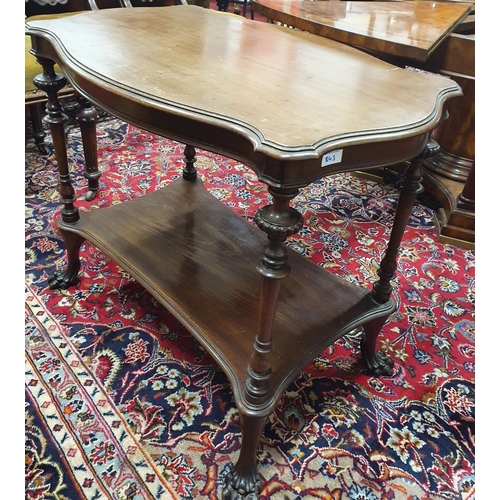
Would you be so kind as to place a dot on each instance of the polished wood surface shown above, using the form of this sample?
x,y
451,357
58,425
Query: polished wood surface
x,y
433,36
403,29
320,107
325,106
211,262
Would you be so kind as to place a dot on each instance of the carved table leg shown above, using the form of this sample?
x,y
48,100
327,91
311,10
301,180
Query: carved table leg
x,y
51,83
378,362
63,279
279,221
87,119
244,482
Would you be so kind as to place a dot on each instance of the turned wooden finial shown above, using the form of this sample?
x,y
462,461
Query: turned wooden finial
x,y
189,170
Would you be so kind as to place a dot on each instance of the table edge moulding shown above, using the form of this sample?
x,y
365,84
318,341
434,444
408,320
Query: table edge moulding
x,y
260,309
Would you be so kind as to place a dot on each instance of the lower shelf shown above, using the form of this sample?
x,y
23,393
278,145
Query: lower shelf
x,y
199,260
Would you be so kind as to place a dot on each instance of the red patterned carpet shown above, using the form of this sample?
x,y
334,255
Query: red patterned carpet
x,y
122,403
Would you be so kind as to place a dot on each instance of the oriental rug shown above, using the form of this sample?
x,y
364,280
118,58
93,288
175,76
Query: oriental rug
x,y
122,403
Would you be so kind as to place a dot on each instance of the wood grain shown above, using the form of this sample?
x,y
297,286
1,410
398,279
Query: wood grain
x,y
404,29
194,254
179,72
140,66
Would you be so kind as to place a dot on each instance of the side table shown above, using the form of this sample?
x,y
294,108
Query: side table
x,y
318,108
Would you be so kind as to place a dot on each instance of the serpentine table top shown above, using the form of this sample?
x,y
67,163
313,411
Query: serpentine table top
x,y
309,95
315,107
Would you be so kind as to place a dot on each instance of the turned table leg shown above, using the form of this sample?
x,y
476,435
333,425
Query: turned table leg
x,y
377,362
51,83
87,119
279,221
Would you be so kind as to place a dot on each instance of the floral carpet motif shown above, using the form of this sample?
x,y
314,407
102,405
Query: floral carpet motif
x,y
121,401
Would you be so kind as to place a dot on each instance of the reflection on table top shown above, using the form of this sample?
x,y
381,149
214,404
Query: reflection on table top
x,y
179,71
402,29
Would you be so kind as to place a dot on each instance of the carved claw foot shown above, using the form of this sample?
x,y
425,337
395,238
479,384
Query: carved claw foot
x,y
241,487
61,280
379,364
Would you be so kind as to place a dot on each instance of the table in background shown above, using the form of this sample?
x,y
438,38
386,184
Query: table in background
x,y
44,7
166,70
433,36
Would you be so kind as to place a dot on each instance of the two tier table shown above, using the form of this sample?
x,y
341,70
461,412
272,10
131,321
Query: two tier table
x,y
294,107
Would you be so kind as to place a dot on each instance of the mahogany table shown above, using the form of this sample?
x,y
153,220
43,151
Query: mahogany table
x,y
318,108
409,29
433,36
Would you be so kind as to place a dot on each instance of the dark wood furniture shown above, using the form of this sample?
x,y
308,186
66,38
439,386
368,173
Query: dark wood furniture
x,y
263,312
42,7
432,36
35,100
450,175
223,5
411,30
